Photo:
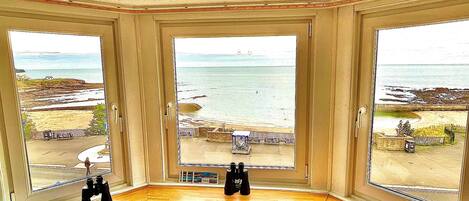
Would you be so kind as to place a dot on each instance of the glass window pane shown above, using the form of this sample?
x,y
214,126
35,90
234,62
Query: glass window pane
x,y
236,100
63,111
419,120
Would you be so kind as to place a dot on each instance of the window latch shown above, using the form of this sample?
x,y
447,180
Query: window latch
x,y
168,114
115,110
12,196
169,106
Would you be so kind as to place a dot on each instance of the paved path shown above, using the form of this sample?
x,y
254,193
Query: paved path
x,y
436,168
54,160
200,151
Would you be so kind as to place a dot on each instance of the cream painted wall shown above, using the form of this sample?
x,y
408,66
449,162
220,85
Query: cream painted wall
x,y
130,78
343,110
321,96
151,77
5,183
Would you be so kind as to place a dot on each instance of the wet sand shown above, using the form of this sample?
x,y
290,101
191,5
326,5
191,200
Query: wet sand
x,y
187,121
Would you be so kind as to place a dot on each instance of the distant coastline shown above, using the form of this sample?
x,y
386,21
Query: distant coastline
x,y
89,75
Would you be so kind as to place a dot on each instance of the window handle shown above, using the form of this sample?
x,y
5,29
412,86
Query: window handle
x,y
358,122
115,111
117,118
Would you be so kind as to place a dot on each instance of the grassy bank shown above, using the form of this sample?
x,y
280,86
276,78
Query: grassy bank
x,y
405,115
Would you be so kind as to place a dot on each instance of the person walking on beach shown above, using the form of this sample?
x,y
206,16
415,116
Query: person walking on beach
x,y
87,165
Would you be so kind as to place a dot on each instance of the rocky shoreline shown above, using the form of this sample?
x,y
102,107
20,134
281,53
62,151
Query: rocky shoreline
x,y
433,96
42,94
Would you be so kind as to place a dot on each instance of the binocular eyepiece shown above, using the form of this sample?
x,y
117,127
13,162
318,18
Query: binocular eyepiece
x,y
91,189
237,180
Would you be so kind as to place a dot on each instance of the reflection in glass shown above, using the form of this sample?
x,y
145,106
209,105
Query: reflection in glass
x,y
419,122
236,100
63,111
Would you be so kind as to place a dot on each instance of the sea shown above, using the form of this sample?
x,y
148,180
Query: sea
x,y
252,95
244,89
87,67
418,76
94,75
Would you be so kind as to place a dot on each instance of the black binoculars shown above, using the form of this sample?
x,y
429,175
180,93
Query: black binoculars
x,y
91,189
237,180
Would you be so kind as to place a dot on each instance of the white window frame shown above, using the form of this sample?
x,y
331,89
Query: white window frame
x,y
370,23
300,28
17,149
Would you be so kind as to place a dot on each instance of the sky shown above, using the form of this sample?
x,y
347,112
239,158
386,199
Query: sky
x,y
263,45
236,51
31,42
446,43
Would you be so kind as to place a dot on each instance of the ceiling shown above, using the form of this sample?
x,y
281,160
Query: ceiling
x,y
174,3
181,5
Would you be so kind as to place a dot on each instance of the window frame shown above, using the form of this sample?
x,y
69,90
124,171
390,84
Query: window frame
x,y
225,29
370,23
16,144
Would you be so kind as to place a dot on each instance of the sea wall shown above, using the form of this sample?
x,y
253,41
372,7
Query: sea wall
x,y
429,140
188,132
271,138
74,132
418,107
203,131
389,143
219,135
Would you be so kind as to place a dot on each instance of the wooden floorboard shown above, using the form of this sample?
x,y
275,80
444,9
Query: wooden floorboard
x,y
152,193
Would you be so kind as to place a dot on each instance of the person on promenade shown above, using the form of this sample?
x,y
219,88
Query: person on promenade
x,y
87,165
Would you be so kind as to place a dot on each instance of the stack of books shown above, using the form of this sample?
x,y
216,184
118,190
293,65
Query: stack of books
x,y
198,177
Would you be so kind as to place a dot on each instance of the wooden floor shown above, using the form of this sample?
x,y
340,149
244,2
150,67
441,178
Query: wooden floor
x,y
210,194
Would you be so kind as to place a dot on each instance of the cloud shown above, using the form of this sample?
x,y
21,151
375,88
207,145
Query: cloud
x,y
445,43
33,42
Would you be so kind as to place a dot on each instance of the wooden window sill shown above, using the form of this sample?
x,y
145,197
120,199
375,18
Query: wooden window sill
x,y
179,193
